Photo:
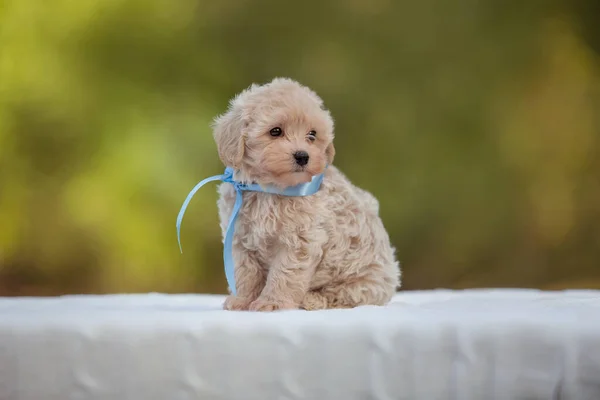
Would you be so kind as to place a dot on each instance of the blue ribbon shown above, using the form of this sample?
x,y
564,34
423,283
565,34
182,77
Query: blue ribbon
x,y
303,189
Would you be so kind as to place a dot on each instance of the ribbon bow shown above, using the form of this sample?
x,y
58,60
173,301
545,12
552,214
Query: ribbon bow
x,y
303,189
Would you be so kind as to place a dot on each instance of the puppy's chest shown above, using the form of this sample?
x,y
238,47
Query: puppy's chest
x,y
265,218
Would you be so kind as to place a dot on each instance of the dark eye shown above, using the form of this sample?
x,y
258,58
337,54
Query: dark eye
x,y
276,132
312,135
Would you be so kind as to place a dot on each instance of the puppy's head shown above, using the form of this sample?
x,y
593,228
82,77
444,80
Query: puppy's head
x,y
278,133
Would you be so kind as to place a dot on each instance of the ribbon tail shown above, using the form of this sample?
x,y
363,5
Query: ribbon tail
x,y
187,201
228,243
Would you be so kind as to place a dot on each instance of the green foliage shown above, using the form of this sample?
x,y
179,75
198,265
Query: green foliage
x,y
476,124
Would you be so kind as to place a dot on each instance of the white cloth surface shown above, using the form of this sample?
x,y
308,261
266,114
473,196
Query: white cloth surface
x,y
475,344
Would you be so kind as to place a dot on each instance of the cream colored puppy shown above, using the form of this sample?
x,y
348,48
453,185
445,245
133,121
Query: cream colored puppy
x,y
327,250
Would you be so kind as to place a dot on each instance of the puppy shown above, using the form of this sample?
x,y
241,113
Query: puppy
x,y
327,250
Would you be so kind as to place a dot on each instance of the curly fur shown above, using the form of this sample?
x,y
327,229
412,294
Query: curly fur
x,y
328,250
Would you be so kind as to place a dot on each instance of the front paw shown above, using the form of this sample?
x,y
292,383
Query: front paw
x,y
234,303
267,305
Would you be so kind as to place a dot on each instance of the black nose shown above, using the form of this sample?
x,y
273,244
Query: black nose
x,y
301,157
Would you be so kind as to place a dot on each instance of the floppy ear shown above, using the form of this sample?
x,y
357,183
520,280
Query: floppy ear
x,y
228,131
330,153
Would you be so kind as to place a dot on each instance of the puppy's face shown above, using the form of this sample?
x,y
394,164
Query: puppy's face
x,y
278,134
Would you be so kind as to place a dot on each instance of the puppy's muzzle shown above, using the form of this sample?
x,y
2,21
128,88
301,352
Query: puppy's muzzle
x,y
301,158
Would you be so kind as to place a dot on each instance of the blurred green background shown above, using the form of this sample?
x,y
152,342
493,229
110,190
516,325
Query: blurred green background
x,y
476,124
